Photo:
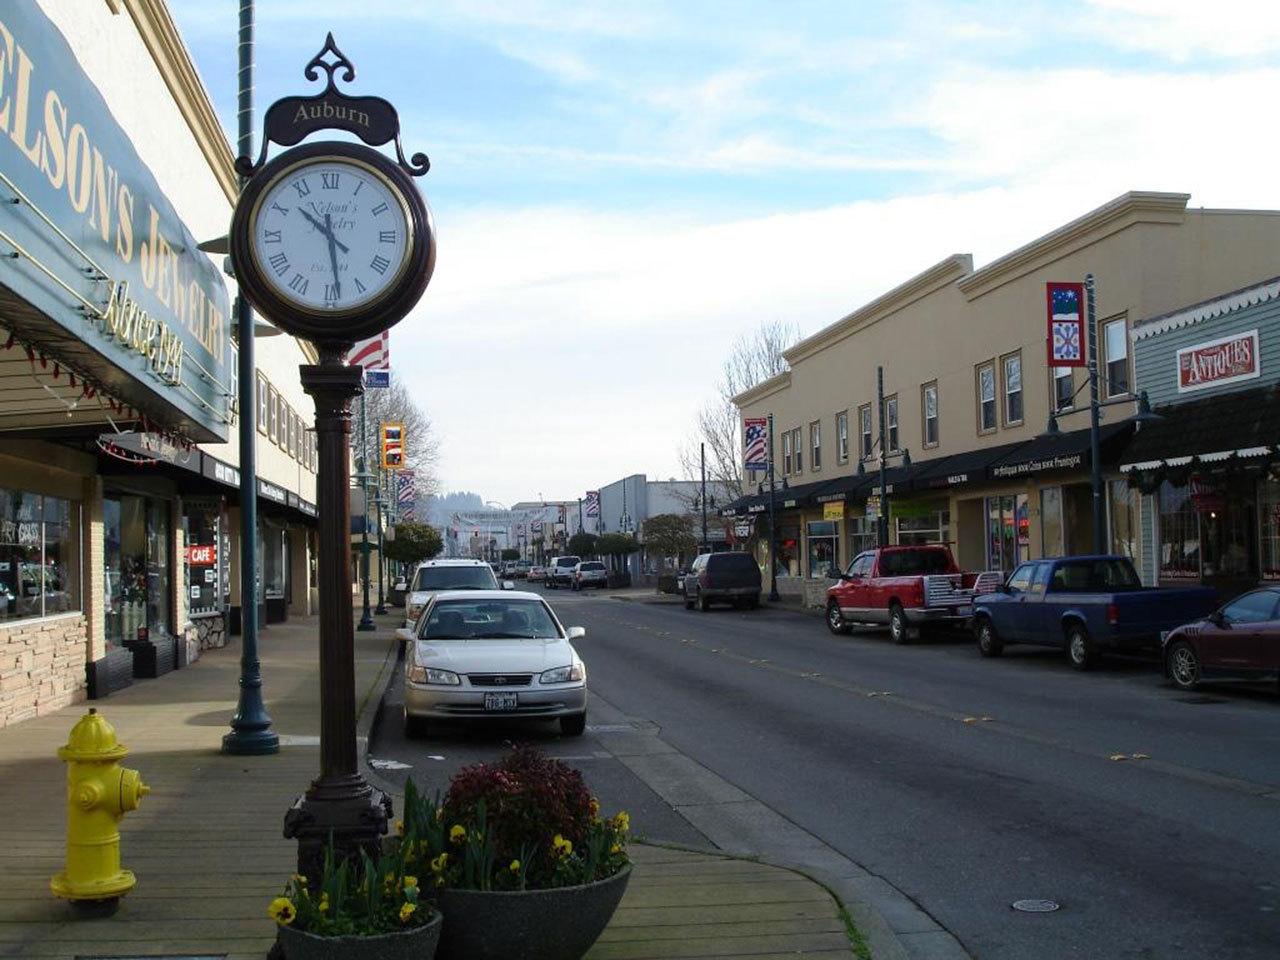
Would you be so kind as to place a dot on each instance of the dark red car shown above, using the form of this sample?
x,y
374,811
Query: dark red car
x,y
1240,640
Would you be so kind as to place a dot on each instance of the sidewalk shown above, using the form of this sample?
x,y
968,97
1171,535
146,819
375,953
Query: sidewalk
x,y
207,848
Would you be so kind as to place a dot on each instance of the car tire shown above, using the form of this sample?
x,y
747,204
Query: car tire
x,y
1182,664
989,642
1081,651
573,726
899,628
688,603
835,619
415,728
703,603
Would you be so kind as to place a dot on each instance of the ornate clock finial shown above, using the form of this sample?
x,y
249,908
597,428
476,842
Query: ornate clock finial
x,y
340,60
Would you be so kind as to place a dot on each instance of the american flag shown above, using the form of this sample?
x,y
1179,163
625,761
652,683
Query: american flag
x,y
372,354
593,503
755,453
406,495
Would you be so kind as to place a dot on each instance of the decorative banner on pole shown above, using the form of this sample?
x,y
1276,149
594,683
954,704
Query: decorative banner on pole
x,y
560,514
592,507
1066,324
406,495
755,445
372,354
535,526
392,440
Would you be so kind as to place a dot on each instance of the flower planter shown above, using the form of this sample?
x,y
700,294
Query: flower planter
x,y
418,943
559,924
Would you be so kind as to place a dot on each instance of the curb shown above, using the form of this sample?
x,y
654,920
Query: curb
x,y
368,719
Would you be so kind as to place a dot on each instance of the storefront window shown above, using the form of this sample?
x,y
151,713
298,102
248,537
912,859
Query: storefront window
x,y
1269,517
862,535
1227,532
823,548
1179,534
203,526
1124,518
921,524
1008,532
274,561
1051,538
136,568
39,555
788,550
159,538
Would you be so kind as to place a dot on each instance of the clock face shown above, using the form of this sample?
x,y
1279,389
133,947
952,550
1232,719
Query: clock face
x,y
330,236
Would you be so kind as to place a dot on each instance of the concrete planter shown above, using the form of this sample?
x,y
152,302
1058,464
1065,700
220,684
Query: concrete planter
x,y
559,924
418,943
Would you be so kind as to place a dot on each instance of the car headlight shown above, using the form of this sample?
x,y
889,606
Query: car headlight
x,y
431,675
574,672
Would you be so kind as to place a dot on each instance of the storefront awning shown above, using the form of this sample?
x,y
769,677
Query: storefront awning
x,y
1061,451
1244,424
942,473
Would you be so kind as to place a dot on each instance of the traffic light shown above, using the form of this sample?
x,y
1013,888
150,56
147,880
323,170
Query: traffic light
x,y
392,440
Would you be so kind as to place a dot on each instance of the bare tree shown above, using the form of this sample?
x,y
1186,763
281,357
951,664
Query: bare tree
x,y
753,358
421,446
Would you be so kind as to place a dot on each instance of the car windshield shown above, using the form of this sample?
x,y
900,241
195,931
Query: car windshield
x,y
1095,576
592,565
455,578
567,562
489,620
909,563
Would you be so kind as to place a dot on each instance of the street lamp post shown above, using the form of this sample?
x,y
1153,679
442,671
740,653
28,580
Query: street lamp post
x,y
381,608
773,525
366,617
1095,459
251,731
702,452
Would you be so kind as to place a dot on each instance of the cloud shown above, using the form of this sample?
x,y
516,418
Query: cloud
x,y
1179,30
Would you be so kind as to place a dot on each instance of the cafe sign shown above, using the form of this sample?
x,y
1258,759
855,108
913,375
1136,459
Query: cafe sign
x,y
1219,362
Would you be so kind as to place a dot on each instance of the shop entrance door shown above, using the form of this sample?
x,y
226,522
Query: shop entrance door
x,y
1008,531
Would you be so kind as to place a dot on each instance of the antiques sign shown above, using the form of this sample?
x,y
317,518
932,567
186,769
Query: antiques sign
x,y
1218,362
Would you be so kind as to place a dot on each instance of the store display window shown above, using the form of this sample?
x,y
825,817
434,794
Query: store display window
x,y
39,555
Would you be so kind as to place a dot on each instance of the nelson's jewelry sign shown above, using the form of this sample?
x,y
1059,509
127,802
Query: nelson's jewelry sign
x,y
91,242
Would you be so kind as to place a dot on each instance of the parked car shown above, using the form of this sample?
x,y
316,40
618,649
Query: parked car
x,y
537,573
522,569
719,577
1238,641
489,655
560,570
905,587
590,573
1085,605
435,575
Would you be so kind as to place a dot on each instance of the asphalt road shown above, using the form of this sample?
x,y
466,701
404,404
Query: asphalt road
x,y
1151,815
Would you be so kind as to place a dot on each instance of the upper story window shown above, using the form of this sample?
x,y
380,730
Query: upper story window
x,y
273,414
797,447
891,421
815,445
263,398
929,413
786,453
986,389
1115,356
864,431
842,436
1064,388
1011,367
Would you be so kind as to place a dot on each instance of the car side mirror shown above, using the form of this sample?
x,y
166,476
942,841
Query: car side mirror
x,y
508,585
1218,619
576,633
405,634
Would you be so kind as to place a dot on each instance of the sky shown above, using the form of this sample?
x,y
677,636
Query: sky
x,y
621,189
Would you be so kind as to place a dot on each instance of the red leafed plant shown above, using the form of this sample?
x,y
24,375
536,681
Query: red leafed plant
x,y
528,797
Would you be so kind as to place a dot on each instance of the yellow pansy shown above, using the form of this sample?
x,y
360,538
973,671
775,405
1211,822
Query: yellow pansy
x,y
324,903
457,833
594,807
622,822
282,911
515,866
410,882
616,848
439,863
406,911
561,846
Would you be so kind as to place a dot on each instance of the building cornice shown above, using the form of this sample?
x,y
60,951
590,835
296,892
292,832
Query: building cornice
x,y
160,35
1136,206
765,388
940,275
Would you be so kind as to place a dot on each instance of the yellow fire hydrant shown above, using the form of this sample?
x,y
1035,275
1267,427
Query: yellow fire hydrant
x,y
99,793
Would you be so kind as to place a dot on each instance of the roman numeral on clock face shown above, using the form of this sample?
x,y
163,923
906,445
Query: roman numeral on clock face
x,y
380,264
379,210
279,263
271,236
301,186
284,212
299,284
387,236
329,181
359,285
330,292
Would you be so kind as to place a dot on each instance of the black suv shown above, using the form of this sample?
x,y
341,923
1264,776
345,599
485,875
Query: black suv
x,y
729,577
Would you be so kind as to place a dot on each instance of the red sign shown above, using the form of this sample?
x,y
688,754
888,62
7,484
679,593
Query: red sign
x,y
201,554
1066,331
1212,364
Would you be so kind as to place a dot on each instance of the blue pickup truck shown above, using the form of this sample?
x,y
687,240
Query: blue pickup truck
x,y
1084,605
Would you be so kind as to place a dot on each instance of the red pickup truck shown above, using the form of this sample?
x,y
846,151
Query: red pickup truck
x,y
905,587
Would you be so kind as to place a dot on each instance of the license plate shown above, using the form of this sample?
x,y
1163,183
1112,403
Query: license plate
x,y
500,701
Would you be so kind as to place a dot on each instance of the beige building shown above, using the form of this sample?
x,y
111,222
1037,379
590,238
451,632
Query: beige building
x,y
119,487
969,391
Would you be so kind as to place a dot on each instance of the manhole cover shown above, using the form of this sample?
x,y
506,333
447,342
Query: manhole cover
x,y
1035,906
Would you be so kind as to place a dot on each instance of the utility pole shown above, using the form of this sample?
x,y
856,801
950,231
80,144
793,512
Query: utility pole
x,y
381,609
1095,460
702,452
773,525
251,731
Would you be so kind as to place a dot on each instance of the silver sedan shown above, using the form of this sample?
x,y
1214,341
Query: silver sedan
x,y
489,654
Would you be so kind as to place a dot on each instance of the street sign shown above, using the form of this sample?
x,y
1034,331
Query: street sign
x,y
742,530
377,379
873,508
